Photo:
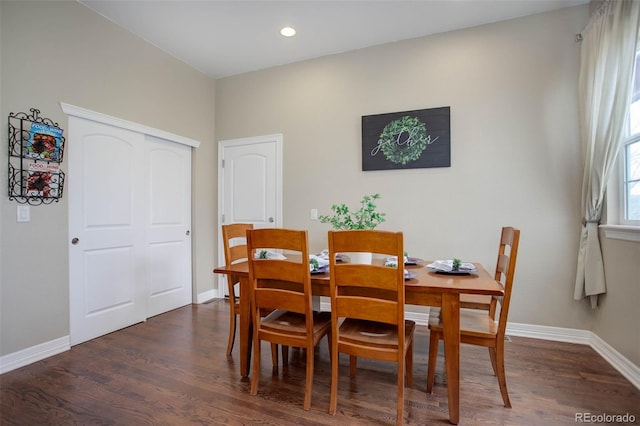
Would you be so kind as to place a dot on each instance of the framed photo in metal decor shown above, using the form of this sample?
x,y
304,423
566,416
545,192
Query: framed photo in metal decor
x,y
407,140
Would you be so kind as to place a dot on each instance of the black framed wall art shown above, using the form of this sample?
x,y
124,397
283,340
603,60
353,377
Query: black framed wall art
x,y
407,140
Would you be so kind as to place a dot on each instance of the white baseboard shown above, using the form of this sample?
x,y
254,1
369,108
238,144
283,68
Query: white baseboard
x,y
619,362
205,296
567,335
34,353
420,318
556,334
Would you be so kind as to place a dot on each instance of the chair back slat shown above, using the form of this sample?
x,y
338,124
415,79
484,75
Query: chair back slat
x,y
369,276
367,308
275,298
365,243
280,270
238,253
234,238
502,267
283,239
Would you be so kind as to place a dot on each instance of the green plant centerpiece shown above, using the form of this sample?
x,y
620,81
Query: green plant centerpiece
x,y
366,217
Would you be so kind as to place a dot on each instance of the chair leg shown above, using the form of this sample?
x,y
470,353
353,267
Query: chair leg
x,y
409,363
502,378
255,375
309,379
400,405
434,340
274,357
333,395
492,357
285,355
353,366
232,329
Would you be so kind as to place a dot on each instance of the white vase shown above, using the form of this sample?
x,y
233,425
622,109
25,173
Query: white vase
x,y
360,257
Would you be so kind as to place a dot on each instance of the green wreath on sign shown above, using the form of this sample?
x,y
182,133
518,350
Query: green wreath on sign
x,y
403,140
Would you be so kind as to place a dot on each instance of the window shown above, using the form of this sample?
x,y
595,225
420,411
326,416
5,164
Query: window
x,y
631,157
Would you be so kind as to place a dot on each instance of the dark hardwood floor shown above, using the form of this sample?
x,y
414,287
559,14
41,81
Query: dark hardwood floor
x,y
172,370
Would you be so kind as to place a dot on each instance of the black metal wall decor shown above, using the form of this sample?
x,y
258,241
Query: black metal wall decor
x,y
407,140
36,148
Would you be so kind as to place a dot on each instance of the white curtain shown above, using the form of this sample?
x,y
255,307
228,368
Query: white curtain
x,y
604,92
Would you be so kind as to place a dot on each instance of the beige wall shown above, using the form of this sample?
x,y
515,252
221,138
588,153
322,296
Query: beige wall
x,y
62,51
515,160
511,87
617,319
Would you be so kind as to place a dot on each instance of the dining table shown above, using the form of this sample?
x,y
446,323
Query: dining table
x,y
424,287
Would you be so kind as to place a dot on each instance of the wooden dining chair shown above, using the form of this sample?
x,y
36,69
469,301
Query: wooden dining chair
x,y
481,301
284,287
367,308
234,238
479,327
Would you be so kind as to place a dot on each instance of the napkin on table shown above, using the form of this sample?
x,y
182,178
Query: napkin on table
x,y
324,254
322,261
270,255
393,260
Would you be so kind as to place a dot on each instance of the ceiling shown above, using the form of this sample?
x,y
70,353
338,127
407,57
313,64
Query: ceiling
x,y
224,38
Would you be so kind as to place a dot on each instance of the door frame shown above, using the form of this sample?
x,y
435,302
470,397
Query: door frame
x,y
125,124
254,140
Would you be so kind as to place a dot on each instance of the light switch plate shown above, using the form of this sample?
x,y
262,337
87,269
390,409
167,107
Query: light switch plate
x,y
23,214
314,214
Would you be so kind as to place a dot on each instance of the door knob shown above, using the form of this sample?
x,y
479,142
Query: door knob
x,y
75,240
187,233
271,220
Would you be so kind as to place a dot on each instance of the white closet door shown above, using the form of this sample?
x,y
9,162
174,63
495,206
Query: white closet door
x,y
168,226
129,227
106,187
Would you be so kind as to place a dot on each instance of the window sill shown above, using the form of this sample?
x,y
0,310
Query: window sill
x,y
621,232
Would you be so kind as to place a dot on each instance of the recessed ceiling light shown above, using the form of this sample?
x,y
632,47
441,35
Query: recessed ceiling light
x,y
288,32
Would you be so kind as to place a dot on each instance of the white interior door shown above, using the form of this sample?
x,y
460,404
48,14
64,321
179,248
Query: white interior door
x,y
168,226
249,185
129,227
106,225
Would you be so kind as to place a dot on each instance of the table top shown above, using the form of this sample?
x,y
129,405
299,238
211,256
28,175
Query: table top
x,y
425,280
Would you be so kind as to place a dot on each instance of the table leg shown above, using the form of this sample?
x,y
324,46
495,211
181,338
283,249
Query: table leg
x,y
245,327
451,336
